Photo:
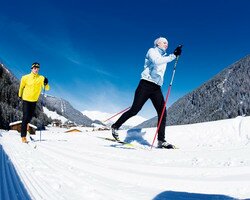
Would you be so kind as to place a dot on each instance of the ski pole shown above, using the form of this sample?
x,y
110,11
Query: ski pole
x,y
164,107
117,114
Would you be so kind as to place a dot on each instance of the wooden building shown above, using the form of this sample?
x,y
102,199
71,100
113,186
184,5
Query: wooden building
x,y
73,130
18,124
56,122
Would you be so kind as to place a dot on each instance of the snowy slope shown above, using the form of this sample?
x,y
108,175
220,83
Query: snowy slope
x,y
54,115
102,116
212,162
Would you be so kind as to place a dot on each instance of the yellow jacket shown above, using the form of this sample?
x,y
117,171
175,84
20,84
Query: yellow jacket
x,y
31,86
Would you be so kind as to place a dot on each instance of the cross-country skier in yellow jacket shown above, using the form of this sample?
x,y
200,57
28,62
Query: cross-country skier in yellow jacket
x,y
29,91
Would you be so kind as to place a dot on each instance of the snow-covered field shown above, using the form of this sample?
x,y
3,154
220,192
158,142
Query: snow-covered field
x,y
212,162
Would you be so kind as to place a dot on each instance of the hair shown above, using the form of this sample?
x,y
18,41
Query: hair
x,y
158,40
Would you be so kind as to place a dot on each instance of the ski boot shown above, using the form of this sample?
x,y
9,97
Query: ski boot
x,y
115,133
165,145
24,140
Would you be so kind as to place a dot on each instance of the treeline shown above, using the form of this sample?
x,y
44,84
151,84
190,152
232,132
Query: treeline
x,y
11,107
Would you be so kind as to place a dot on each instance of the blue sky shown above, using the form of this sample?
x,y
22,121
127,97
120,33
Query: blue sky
x,y
93,51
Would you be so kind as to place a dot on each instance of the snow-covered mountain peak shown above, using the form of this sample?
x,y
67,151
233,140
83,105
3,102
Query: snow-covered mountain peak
x,y
102,116
54,115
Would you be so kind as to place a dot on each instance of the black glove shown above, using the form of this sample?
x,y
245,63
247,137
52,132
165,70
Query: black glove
x,y
177,51
46,81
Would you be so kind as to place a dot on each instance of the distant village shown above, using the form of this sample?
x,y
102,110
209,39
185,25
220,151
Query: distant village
x,y
68,125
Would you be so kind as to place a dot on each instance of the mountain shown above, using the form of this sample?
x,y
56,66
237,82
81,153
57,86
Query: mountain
x,y
54,115
10,107
225,96
65,109
102,116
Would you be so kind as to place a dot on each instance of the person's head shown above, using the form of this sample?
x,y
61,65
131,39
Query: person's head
x,y
162,43
35,67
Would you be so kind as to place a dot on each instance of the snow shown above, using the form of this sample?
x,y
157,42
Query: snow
x,y
54,115
212,162
102,116
14,123
6,69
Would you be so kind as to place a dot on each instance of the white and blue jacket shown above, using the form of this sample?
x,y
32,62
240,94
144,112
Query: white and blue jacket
x,y
155,65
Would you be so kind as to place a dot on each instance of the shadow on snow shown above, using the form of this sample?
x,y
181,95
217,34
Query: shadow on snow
x,y
10,183
137,136
172,195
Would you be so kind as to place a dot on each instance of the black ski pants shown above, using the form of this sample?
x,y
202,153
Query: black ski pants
x,y
28,113
146,90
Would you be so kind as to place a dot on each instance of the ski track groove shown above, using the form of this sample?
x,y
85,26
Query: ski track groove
x,y
95,167
11,183
25,175
90,172
30,179
42,188
85,156
3,175
136,177
79,170
68,177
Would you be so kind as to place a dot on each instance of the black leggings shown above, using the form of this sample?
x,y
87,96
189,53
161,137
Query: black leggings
x,y
146,90
28,112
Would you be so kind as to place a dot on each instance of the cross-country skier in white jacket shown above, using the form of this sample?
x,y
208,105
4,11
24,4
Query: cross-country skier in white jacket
x,y
150,87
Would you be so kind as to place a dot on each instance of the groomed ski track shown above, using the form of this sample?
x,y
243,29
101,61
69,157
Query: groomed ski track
x,y
83,166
